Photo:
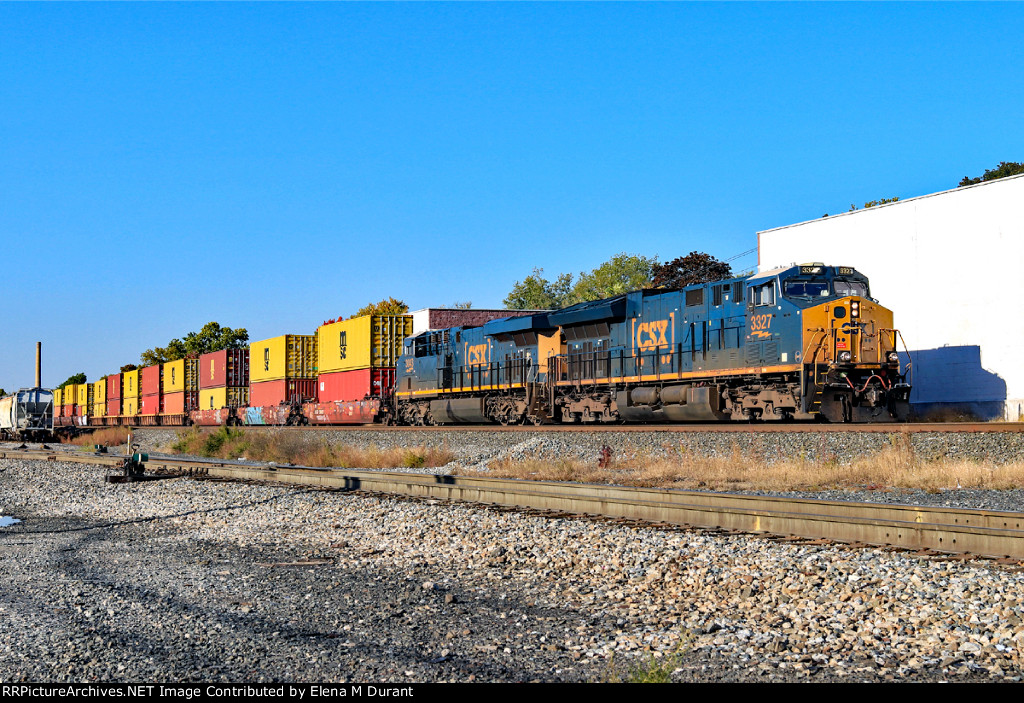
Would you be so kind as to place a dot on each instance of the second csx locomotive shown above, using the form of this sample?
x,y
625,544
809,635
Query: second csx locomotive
x,y
804,341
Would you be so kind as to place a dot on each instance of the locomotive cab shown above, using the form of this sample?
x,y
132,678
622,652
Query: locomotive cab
x,y
850,365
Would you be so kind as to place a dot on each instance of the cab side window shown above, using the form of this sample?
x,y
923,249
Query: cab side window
x,y
762,295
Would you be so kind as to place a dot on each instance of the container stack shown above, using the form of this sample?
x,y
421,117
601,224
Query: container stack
x,y
224,379
67,409
283,370
114,395
130,389
151,393
181,386
357,357
83,399
99,399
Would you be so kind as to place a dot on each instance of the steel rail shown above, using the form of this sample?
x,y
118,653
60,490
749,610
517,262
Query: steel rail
x,y
939,529
725,428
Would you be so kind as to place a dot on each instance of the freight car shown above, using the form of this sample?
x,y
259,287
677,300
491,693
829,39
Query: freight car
x,y
27,415
800,342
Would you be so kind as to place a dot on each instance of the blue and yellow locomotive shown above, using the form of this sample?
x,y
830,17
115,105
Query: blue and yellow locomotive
x,y
798,342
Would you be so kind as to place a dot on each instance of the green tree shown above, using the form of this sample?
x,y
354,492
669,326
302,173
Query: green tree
x,y
620,274
174,350
872,203
388,306
73,380
2,392
695,267
212,337
1004,169
538,293
128,367
467,305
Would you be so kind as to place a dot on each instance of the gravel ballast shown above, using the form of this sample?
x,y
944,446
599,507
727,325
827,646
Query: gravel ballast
x,y
188,580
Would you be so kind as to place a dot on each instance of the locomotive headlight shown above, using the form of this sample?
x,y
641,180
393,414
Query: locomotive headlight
x,y
855,309
893,357
845,356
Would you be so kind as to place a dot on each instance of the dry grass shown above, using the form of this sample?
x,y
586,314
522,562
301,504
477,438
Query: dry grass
x,y
107,436
895,466
950,414
290,448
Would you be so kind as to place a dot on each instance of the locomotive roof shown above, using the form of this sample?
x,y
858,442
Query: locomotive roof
x,y
510,325
590,311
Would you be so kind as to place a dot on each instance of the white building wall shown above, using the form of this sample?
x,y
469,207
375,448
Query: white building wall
x,y
951,268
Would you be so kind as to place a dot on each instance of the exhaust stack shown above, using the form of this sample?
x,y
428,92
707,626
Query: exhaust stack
x,y
39,364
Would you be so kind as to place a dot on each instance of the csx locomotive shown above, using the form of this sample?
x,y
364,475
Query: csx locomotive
x,y
798,342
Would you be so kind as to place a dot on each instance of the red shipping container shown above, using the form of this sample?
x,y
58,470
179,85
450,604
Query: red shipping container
x,y
114,389
180,403
113,405
228,367
289,390
151,404
355,385
150,384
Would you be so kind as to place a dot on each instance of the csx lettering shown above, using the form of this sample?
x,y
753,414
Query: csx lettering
x,y
476,354
652,334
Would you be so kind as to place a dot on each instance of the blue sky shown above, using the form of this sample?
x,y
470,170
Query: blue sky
x,y
270,166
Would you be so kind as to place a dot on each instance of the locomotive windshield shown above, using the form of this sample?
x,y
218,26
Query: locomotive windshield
x,y
817,283
846,287
813,288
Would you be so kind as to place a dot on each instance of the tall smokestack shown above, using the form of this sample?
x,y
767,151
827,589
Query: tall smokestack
x,y
39,364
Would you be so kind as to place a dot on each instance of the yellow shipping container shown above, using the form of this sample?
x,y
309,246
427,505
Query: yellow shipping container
x,y
181,375
130,386
58,399
83,396
285,357
174,376
130,406
216,398
362,342
99,398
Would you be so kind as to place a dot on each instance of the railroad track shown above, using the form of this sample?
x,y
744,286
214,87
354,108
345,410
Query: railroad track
x,y
927,529
741,427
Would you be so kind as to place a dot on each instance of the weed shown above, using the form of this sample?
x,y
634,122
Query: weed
x,y
652,669
412,460
107,436
287,447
